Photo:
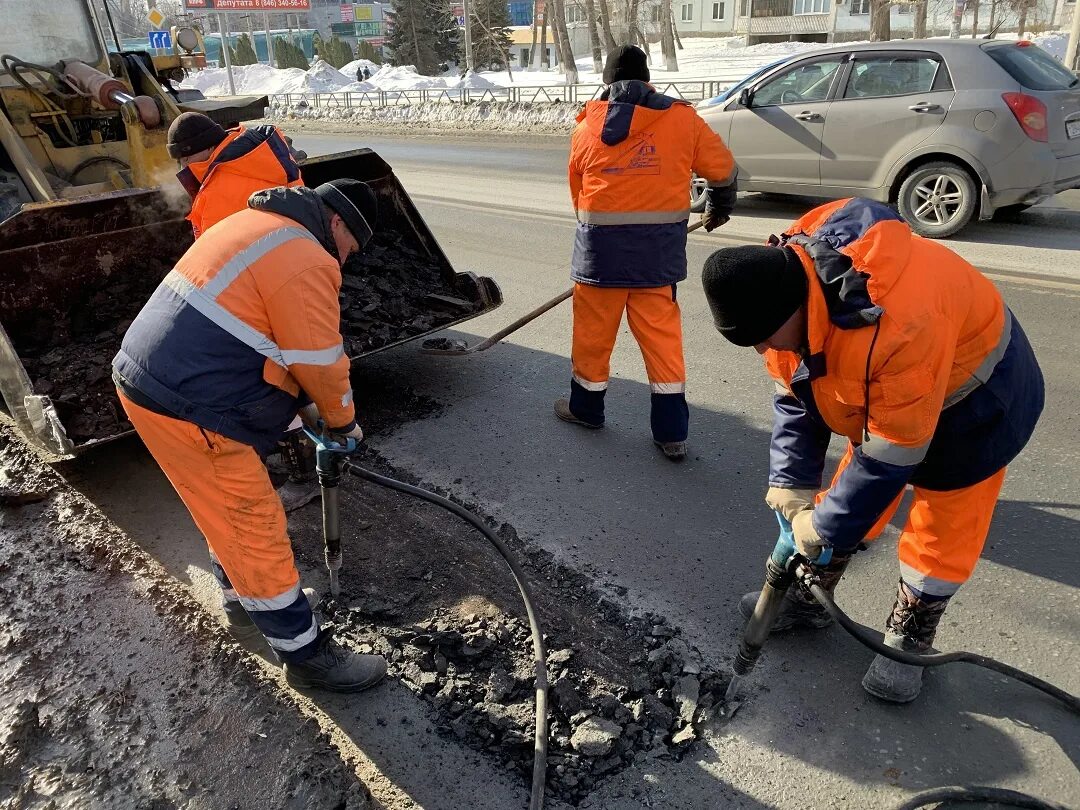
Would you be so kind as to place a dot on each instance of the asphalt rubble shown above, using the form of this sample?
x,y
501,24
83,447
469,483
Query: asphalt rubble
x,y
622,689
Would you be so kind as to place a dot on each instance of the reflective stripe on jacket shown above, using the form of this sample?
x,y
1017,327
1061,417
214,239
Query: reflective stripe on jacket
x,y
245,325
248,160
631,159
906,325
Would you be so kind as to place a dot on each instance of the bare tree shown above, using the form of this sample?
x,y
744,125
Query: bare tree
x,y
562,39
1022,9
605,25
675,31
545,60
594,37
919,23
667,37
535,32
975,18
880,22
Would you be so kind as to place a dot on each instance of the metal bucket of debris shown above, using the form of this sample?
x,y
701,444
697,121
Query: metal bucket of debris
x,y
74,274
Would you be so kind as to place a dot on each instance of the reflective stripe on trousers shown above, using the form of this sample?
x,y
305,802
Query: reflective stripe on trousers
x,y
225,487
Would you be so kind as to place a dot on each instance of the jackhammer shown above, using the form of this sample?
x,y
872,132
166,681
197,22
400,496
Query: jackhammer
x,y
333,459
784,568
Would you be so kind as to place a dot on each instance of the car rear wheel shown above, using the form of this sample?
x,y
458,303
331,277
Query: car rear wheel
x,y
938,199
699,189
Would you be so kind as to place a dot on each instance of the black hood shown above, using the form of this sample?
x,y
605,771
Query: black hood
x,y
301,204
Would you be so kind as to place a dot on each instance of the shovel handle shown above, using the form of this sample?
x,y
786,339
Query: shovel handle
x,y
524,319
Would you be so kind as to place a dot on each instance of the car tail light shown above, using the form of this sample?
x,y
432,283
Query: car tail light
x,y
1030,114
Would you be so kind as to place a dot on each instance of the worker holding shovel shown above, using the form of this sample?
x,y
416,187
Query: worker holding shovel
x,y
632,157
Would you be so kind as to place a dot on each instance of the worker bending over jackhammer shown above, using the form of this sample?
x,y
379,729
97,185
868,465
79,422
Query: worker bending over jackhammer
x,y
904,348
632,157
241,333
220,169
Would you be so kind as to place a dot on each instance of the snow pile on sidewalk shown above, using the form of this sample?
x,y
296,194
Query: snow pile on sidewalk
x,y
405,77
473,81
486,116
258,79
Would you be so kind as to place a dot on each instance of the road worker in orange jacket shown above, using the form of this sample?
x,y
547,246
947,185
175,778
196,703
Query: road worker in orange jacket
x,y
897,344
632,156
241,333
221,169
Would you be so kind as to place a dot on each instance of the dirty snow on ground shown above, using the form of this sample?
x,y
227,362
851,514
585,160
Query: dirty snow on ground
x,y
725,59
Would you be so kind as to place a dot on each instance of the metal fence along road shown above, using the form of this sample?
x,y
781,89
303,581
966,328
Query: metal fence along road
x,y
549,94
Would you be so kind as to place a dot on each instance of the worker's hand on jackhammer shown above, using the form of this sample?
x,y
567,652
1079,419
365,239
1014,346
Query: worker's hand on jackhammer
x,y
309,415
807,540
789,502
341,436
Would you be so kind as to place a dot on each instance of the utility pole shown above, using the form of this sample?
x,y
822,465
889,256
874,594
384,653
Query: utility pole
x,y
1074,39
224,29
466,9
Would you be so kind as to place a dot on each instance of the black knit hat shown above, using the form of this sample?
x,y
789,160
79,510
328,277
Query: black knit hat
x,y
626,62
753,290
355,203
191,133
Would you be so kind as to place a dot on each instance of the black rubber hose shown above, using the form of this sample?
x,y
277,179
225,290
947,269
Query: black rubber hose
x,y
536,797
978,794
874,642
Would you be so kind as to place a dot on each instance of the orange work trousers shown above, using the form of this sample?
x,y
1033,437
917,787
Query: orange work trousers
x,y
225,486
944,534
656,323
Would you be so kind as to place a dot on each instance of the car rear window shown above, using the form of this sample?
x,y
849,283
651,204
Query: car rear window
x,y
1033,67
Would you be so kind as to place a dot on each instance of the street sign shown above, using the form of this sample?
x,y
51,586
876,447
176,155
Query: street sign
x,y
156,18
160,39
347,14
247,5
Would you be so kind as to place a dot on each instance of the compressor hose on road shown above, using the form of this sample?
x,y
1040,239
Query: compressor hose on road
x,y
873,640
952,795
536,797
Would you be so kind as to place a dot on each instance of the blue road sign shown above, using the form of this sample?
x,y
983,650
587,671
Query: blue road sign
x,y
160,39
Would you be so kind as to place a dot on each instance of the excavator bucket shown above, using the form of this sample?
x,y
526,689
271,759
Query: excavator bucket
x,y
75,273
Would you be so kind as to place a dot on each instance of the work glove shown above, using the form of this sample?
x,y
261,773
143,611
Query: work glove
x,y
719,204
807,540
711,220
339,436
309,415
789,502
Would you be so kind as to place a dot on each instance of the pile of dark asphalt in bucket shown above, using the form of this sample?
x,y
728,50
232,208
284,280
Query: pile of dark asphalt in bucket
x,y
390,293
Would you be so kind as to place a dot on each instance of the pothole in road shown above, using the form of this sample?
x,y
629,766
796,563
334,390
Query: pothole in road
x,y
428,593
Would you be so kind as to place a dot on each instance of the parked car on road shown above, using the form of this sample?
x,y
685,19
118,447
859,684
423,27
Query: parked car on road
x,y
947,130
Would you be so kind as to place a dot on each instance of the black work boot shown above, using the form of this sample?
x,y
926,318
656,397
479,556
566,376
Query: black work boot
x,y
911,627
240,625
335,668
800,609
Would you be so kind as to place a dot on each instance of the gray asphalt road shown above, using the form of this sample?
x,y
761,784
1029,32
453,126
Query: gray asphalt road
x,y
689,540
528,174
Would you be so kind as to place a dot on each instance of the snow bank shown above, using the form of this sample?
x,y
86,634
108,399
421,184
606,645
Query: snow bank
x,y
473,81
491,116
258,79
405,77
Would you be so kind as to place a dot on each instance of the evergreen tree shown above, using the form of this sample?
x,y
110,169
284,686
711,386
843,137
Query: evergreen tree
x,y
490,35
365,50
288,55
334,51
423,35
244,52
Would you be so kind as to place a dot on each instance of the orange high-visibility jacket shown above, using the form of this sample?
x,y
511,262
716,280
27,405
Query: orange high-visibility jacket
x,y
248,160
912,355
246,325
631,160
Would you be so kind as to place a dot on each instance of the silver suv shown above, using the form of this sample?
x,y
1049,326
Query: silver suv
x,y
944,129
